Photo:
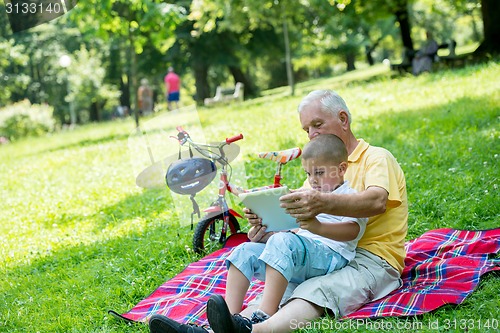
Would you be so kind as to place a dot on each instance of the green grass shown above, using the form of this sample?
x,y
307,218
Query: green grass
x,y
78,238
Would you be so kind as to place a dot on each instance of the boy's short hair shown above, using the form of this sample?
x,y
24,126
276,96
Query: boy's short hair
x,y
325,146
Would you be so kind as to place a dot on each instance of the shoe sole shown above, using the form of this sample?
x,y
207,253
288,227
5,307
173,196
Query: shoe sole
x,y
162,324
218,315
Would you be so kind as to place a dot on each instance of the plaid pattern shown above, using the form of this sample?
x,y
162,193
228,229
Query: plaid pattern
x,y
442,266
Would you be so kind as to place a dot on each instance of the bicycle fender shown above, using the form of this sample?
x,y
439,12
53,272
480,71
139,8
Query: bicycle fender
x,y
213,209
217,209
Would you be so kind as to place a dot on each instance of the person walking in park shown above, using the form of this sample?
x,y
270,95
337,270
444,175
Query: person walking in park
x,y
376,268
145,97
172,88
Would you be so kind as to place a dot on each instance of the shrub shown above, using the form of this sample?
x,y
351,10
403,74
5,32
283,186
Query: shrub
x,y
24,119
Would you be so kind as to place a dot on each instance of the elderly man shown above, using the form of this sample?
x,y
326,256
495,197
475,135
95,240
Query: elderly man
x,y
373,273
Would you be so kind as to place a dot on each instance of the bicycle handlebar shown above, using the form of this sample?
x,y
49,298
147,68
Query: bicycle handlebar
x,y
184,137
234,138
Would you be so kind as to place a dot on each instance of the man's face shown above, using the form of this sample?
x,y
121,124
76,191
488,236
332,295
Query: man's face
x,y
315,122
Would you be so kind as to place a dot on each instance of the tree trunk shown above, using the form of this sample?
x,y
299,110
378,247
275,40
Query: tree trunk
x,y
402,17
369,56
491,13
350,59
288,57
95,112
475,29
239,76
125,95
201,82
133,76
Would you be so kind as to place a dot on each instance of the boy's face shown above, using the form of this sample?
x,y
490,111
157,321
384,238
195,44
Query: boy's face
x,y
324,176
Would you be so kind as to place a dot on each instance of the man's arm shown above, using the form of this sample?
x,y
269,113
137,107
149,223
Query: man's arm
x,y
306,204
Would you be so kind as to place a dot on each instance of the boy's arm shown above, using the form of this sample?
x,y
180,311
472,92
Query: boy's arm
x,y
341,231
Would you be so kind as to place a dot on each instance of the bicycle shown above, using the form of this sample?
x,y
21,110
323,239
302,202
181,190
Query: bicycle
x,y
211,231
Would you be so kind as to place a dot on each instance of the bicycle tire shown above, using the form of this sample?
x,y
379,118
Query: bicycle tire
x,y
203,241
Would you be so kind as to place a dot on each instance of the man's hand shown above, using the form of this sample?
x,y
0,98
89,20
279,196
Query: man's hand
x,y
303,204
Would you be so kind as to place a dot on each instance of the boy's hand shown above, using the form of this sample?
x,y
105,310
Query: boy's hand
x,y
257,232
311,225
252,218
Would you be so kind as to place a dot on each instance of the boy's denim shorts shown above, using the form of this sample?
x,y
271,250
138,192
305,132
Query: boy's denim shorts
x,y
297,258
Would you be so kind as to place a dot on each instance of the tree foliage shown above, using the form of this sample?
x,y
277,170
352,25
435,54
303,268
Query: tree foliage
x,y
262,43
137,23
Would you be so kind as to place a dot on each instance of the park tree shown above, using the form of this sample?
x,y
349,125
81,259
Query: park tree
x,y
205,52
472,9
342,27
200,53
340,32
346,32
245,17
32,70
490,10
13,58
133,23
397,8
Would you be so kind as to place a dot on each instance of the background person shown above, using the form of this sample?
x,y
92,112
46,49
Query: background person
x,y
172,88
145,97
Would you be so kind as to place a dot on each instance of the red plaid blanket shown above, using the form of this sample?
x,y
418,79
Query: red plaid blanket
x,y
442,267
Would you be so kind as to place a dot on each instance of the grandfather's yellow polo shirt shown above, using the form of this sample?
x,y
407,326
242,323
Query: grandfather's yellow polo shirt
x,y
385,233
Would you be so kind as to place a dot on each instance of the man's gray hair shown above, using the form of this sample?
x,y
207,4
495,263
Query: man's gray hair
x,y
330,102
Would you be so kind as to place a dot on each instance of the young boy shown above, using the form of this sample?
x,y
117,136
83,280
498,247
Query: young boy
x,y
321,245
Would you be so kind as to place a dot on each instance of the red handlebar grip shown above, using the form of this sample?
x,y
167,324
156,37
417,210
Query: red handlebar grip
x,y
234,138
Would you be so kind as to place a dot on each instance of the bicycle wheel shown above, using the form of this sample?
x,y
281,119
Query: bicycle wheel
x,y
208,233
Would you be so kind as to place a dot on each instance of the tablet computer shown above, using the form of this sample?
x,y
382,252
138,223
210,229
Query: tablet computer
x,y
266,204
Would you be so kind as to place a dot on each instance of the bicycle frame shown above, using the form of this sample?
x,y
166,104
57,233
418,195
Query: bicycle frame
x,y
220,208
220,205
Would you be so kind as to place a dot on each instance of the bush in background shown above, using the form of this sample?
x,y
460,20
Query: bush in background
x,y
24,119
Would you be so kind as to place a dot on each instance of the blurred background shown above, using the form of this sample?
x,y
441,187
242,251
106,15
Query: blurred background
x,y
86,65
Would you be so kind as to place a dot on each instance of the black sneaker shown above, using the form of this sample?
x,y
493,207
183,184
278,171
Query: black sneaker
x,y
221,320
162,324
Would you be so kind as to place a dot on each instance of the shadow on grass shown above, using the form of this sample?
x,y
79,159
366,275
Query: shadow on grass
x,y
146,205
76,286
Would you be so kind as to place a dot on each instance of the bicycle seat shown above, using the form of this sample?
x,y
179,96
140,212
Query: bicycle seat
x,y
282,156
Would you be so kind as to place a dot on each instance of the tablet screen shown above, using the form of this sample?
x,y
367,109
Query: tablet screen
x,y
265,203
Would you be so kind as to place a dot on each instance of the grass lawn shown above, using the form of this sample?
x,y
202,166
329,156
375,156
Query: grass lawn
x,y
78,237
